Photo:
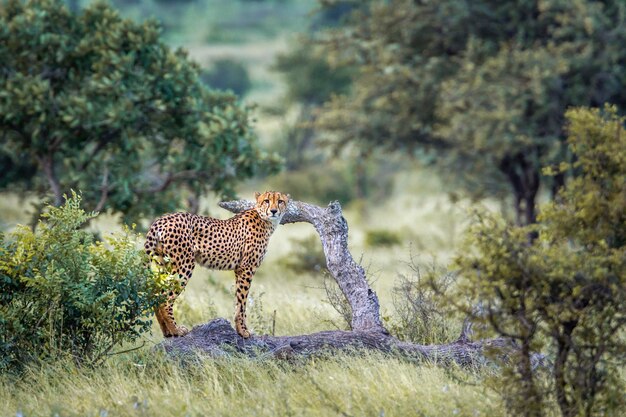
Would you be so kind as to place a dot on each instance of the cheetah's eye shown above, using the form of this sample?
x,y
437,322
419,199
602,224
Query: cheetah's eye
x,y
266,201
281,202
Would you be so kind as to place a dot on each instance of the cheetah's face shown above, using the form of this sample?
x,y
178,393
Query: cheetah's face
x,y
271,205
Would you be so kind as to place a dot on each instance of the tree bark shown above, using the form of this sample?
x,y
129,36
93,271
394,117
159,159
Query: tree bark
x,y
104,190
46,162
218,337
524,179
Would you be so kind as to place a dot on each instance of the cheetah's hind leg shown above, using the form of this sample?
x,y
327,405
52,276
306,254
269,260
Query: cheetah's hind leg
x,y
165,312
165,317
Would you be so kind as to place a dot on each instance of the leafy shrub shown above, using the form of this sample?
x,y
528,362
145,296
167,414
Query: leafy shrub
x,y
307,255
63,294
228,74
381,237
309,77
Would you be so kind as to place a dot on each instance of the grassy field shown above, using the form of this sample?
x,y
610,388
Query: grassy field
x,y
344,385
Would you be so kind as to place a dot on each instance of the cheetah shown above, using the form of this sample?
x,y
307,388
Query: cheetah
x,y
238,244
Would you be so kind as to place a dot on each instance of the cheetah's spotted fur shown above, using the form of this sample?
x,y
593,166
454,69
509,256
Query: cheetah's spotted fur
x,y
237,244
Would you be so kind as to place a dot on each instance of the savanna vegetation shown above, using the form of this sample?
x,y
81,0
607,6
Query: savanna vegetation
x,y
477,148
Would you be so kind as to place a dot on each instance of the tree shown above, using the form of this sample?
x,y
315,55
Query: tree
x,y
97,103
479,87
564,292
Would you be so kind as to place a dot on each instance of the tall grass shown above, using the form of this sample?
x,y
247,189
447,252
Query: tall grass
x,y
346,385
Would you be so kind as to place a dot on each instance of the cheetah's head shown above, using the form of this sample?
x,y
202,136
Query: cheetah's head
x,y
271,205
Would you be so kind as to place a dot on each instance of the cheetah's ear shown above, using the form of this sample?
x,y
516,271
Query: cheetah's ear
x,y
257,195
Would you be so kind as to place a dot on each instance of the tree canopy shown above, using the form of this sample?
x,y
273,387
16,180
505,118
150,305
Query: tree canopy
x,y
97,103
480,88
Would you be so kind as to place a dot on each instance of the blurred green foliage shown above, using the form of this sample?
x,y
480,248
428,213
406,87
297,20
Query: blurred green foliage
x,y
180,3
333,12
477,88
382,237
319,184
95,102
227,74
65,295
306,256
248,21
310,82
310,79
563,292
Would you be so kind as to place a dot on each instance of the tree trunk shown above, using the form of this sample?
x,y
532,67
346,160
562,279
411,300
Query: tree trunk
x,y
47,165
558,183
218,337
300,139
528,384
524,178
563,349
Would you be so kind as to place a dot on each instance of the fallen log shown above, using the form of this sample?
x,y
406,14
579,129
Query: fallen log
x,y
367,332
219,338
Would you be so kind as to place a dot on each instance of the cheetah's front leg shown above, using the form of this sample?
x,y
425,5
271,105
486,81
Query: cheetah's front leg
x,y
244,280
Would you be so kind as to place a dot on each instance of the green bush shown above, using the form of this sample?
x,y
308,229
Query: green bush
x,y
63,294
309,77
381,237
